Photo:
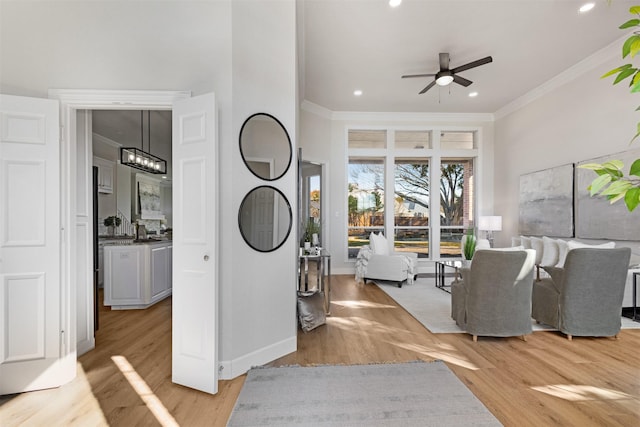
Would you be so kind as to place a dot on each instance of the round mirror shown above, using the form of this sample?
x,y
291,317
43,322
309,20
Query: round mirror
x,y
265,146
265,218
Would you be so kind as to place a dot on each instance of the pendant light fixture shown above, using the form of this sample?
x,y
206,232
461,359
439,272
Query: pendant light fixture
x,y
140,159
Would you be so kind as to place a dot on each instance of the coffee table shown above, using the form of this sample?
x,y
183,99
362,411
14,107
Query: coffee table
x,y
441,267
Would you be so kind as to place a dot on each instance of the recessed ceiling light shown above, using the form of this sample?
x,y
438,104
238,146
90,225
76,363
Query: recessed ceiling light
x,y
586,7
473,94
357,92
394,3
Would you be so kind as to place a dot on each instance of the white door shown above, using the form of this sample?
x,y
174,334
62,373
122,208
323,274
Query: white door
x,y
30,287
195,270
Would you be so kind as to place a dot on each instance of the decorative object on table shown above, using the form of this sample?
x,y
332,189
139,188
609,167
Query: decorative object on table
x,y
388,394
311,227
469,245
112,222
546,202
489,224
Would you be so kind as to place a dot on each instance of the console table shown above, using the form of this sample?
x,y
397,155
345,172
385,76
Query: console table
x,y
323,274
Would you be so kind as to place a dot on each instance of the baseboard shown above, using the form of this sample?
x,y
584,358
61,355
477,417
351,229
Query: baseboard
x,y
230,369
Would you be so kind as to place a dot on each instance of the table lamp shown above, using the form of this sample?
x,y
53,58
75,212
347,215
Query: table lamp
x,y
490,224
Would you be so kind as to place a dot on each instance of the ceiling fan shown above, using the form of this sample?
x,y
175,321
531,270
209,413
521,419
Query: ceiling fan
x,y
445,76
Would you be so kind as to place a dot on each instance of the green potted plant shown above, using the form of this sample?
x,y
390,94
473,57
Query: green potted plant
x,y
112,222
469,245
611,181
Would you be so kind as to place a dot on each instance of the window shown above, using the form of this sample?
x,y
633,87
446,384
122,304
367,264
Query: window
x,y
456,204
411,207
366,201
396,168
457,140
412,139
367,139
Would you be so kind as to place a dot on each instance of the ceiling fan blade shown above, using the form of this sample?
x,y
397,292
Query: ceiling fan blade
x,y
417,75
444,61
429,86
462,81
473,64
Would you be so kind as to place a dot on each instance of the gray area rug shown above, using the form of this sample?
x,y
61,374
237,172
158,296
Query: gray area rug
x,y
432,306
405,394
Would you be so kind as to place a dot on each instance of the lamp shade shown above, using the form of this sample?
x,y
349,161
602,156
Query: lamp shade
x,y
490,223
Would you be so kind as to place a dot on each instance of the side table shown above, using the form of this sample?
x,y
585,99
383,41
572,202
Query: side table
x,y
323,274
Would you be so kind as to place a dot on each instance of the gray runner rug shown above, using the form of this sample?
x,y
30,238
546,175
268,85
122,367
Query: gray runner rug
x,y
405,394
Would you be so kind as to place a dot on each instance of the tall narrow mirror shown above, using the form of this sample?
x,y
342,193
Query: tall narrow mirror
x,y
265,146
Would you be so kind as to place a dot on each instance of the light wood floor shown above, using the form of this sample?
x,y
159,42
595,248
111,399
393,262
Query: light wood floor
x,y
544,381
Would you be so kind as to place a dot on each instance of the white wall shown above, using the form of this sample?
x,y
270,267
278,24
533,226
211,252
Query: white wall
x,y
257,292
242,51
323,139
582,119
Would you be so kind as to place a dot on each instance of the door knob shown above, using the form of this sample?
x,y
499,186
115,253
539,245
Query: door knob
x,y
206,257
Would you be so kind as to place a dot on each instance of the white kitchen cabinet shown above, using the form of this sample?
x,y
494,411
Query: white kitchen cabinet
x,y
137,275
106,169
160,271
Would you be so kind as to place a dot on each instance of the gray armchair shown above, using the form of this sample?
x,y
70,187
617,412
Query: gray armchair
x,y
494,296
585,297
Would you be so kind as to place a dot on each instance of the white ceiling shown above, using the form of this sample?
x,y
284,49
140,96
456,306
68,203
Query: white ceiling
x,y
367,45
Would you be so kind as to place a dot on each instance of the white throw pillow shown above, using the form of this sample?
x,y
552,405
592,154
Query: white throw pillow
x,y
538,245
381,248
372,242
550,252
525,242
483,244
562,252
573,244
509,249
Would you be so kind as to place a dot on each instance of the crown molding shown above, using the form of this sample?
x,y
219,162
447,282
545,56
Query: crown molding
x,y
104,140
571,73
394,116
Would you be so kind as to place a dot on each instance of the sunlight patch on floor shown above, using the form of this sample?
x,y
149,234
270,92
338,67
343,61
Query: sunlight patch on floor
x,y
401,338
362,304
21,409
438,351
577,393
148,397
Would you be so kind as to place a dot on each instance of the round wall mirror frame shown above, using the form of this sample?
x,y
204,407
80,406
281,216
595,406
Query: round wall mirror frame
x,y
265,146
265,218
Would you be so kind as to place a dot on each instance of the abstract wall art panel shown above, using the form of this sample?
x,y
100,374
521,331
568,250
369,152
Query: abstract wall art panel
x,y
546,202
596,218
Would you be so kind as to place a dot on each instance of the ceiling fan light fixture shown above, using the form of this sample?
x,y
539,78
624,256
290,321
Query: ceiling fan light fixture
x,y
444,78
